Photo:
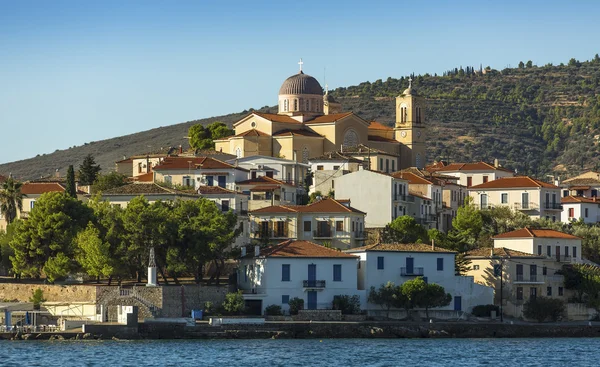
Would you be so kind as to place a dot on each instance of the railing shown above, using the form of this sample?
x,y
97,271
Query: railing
x,y
563,259
553,206
485,206
555,278
359,234
270,234
322,234
313,283
431,218
405,198
261,234
526,206
415,272
533,278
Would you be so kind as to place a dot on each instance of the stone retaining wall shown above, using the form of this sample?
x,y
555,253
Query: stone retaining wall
x,y
318,315
179,301
22,292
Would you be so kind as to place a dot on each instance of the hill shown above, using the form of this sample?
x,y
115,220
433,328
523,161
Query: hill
x,y
537,120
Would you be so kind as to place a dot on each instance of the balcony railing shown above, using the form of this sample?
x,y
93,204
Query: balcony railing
x,y
359,234
270,234
533,278
563,259
526,206
553,206
409,273
313,283
431,218
405,198
322,234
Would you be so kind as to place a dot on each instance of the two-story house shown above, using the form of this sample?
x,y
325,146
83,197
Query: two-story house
x,y
286,170
579,207
194,172
471,174
326,221
382,263
425,187
295,269
535,198
381,196
265,191
584,185
328,167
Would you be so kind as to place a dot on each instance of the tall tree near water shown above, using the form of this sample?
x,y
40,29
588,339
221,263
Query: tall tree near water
x,y
88,171
11,199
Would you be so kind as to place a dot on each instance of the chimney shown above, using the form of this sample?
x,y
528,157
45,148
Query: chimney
x,y
257,251
496,164
57,173
181,149
243,251
432,244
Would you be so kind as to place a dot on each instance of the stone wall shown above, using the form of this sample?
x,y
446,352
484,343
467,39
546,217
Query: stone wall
x,y
318,315
52,293
179,301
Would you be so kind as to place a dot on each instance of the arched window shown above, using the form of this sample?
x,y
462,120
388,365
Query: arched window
x,y
307,105
305,155
285,105
295,105
350,139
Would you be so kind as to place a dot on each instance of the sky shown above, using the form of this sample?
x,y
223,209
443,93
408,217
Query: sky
x,y
72,72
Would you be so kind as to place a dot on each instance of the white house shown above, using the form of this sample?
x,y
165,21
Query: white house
x,y
382,263
199,171
535,198
302,269
562,247
328,167
288,171
579,207
586,184
470,174
380,195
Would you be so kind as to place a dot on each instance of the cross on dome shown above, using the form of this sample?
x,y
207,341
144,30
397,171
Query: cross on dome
x,y
300,63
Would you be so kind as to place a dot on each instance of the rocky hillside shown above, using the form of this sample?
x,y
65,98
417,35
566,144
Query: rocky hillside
x,y
538,120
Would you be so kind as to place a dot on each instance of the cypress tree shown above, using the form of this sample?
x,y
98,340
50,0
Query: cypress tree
x,y
70,186
88,171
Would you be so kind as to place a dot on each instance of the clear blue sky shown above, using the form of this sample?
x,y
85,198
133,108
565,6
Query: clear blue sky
x,y
78,71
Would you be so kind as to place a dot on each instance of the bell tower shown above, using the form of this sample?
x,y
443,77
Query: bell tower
x,y
410,128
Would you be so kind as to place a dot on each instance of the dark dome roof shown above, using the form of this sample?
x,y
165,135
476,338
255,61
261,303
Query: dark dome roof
x,y
301,84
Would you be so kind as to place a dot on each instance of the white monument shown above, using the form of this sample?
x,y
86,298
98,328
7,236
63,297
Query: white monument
x,y
151,270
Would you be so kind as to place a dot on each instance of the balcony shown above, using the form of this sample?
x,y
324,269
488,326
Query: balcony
x,y
555,278
553,206
526,206
360,235
563,259
270,234
322,234
405,198
431,218
313,284
414,273
533,278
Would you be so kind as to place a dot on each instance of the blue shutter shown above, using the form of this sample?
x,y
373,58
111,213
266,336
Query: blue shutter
x,y
285,272
337,273
380,262
440,263
285,299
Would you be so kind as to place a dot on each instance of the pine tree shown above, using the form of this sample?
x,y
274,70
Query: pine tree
x,y
70,186
88,171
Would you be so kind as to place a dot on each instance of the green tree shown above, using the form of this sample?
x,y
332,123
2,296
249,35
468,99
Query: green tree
x,y
109,181
422,295
37,297
94,254
11,199
44,242
405,229
314,197
219,130
70,188
88,170
203,137
529,64
5,250
468,223
387,296
542,309
521,65
296,304
234,303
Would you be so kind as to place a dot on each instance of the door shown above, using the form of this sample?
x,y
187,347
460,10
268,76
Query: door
x,y
312,300
312,275
410,265
484,201
557,253
457,303
525,200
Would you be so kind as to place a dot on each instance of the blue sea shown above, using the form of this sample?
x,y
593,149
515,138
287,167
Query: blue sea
x,y
326,352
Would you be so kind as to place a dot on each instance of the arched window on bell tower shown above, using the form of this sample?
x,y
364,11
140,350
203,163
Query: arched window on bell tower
x,y
285,105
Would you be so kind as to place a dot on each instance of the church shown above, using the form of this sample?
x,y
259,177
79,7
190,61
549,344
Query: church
x,y
310,123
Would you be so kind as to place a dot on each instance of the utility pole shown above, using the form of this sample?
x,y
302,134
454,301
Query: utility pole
x,y
501,288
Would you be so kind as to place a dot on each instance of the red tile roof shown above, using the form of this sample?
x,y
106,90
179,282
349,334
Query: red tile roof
x,y
486,252
514,182
418,195
277,118
38,188
214,190
252,132
476,166
146,189
537,233
382,139
263,180
401,247
304,249
146,177
327,205
329,118
298,132
579,199
411,178
379,126
182,163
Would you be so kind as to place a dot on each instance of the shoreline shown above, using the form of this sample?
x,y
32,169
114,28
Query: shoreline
x,y
317,330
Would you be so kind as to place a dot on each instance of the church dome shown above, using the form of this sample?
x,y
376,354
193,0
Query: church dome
x,y
301,84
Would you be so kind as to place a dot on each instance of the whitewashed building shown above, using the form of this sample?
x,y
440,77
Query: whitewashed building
x,y
560,246
302,269
471,174
285,170
578,207
398,263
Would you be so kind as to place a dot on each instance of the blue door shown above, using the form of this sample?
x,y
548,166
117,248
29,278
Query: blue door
x,y
312,275
312,300
410,265
457,303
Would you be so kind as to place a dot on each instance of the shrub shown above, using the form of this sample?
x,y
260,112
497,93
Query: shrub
x,y
349,305
485,310
234,303
37,297
296,304
273,310
542,308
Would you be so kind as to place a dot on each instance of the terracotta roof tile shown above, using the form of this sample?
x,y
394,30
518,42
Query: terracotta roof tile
x,y
38,188
411,178
486,252
418,195
476,166
263,180
335,156
276,118
328,118
182,163
145,189
382,139
327,205
401,247
539,233
146,177
304,249
212,190
379,126
298,132
579,199
572,183
514,182
252,132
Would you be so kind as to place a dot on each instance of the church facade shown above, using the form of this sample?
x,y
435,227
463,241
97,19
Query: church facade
x,y
309,124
